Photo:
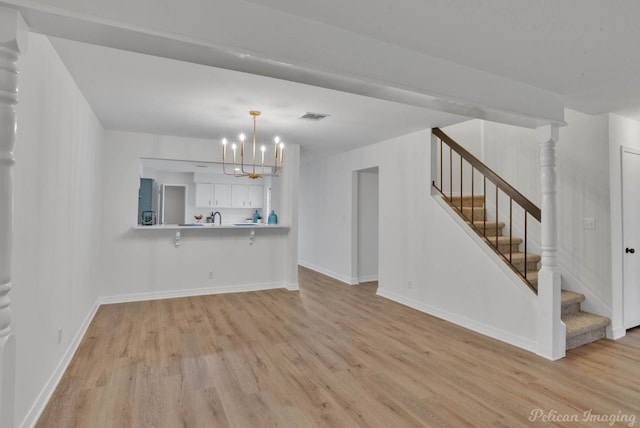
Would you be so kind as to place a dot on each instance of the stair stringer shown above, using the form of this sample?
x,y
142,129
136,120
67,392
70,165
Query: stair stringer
x,y
519,288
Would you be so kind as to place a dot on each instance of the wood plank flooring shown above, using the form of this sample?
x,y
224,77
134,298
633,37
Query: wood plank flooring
x,y
329,355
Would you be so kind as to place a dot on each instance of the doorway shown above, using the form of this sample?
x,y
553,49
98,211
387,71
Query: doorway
x,y
173,203
631,237
367,224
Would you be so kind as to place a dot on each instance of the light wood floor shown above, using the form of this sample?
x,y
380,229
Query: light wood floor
x,y
330,355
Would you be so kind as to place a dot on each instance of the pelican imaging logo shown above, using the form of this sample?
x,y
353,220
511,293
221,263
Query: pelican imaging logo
x,y
546,416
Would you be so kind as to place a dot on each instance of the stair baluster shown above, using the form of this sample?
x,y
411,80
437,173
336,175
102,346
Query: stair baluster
x,y
492,236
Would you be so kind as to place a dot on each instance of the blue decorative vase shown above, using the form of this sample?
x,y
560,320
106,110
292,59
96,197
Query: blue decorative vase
x,y
256,216
273,218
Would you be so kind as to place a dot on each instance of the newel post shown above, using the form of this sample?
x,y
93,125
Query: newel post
x,y
13,37
551,331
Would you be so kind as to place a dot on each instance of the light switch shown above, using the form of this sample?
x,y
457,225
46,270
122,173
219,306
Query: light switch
x,y
589,223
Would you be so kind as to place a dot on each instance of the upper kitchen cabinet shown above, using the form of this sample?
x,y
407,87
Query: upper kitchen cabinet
x,y
255,196
246,196
221,195
204,195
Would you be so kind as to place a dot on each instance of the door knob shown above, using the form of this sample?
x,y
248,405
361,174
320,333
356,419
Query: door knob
x,y
630,250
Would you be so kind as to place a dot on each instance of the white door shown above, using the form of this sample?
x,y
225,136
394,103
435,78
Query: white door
x,y
631,236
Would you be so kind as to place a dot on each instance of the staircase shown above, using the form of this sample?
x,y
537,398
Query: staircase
x,y
582,327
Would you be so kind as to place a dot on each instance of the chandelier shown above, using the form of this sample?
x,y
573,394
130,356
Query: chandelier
x,y
253,170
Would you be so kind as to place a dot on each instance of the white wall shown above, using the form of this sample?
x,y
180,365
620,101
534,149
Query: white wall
x,y
147,263
583,192
57,217
76,189
419,241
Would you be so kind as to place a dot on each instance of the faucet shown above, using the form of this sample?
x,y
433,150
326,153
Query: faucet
x,y
213,217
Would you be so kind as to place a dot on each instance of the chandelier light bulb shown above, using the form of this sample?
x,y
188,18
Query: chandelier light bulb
x,y
253,166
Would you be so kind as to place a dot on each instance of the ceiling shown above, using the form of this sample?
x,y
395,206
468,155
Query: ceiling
x,y
144,93
582,51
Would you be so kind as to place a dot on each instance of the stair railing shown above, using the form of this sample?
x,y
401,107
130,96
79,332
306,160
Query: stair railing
x,y
476,166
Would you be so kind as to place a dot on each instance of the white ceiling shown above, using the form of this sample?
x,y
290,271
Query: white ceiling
x,y
583,51
143,93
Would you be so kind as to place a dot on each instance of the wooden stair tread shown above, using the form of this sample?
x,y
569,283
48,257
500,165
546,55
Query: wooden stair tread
x,y
583,322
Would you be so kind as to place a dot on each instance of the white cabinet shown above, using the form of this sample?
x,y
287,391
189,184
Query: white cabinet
x,y
239,195
204,195
255,196
246,196
221,195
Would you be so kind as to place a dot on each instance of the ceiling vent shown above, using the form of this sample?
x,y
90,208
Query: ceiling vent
x,y
313,116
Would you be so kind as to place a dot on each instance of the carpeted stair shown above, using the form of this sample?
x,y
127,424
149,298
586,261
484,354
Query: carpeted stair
x,y
582,327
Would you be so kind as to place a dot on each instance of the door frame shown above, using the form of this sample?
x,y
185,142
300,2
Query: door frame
x,y
163,186
635,152
355,213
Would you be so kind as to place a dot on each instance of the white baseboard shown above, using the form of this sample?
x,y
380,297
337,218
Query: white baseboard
x,y
43,398
170,294
334,275
291,286
487,330
616,333
368,278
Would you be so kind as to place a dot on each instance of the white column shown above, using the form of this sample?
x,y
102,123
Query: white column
x,y
551,330
13,35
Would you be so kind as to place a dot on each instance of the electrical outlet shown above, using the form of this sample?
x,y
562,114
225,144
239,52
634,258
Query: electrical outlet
x,y
589,223
409,285
59,336
210,274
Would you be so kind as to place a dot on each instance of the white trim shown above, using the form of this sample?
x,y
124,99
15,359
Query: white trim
x,y
621,266
171,294
45,395
487,330
334,275
291,287
368,278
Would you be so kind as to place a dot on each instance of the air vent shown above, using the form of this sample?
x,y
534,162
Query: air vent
x,y
201,166
314,116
